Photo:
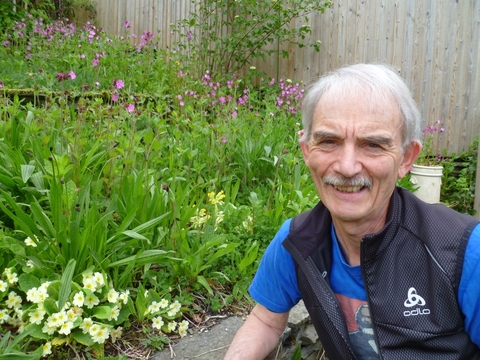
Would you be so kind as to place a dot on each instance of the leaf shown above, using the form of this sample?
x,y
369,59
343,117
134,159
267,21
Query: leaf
x,y
82,338
66,283
27,171
202,281
59,341
27,282
135,235
50,306
102,312
98,349
36,331
146,257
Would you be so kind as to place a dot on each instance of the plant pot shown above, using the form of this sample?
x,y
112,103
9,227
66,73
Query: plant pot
x,y
428,179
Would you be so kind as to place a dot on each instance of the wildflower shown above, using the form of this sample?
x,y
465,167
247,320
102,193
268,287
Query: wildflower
x,y
126,24
154,307
112,296
124,296
179,97
172,326
78,299
182,103
98,277
29,242
4,316
72,75
182,328
13,300
223,139
90,284
216,199
97,83
66,328
234,114
3,286
36,316
59,77
81,56
86,325
49,329
12,278
114,97
95,62
130,108
99,333
164,302
119,84
157,322
29,264
253,68
47,348
91,301
116,334
114,312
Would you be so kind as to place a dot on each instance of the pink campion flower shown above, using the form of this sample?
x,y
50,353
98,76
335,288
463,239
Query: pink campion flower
x,y
95,62
223,139
28,56
126,24
234,114
182,103
59,77
114,97
442,129
130,108
81,56
72,75
119,84
97,83
179,97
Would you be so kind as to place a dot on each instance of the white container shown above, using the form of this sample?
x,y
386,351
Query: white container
x,y
428,179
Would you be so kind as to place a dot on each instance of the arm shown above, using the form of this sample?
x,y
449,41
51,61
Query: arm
x,y
258,336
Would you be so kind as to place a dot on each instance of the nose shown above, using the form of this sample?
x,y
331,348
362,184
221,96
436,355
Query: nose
x,y
348,163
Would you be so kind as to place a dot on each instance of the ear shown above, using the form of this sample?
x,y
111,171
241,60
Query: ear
x,y
304,146
409,157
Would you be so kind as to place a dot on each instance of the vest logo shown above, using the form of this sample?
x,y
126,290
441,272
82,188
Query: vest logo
x,y
413,299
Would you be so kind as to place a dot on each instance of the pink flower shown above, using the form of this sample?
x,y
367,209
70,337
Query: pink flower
x,y
114,97
97,83
179,97
130,108
59,77
234,114
119,84
223,139
182,103
95,62
72,75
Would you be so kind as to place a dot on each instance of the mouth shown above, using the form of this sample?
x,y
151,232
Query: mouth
x,y
349,189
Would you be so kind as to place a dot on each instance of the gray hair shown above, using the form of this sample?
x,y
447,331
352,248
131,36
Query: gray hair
x,y
376,83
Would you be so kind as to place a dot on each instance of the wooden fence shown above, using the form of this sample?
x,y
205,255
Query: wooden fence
x,y
434,45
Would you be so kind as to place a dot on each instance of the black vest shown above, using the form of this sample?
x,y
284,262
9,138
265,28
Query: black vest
x,y
422,247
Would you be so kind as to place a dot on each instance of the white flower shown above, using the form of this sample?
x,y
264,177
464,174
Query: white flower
x,y
112,296
91,301
90,284
116,334
172,326
3,286
114,312
66,328
154,307
48,329
99,333
163,303
4,316
30,242
100,280
36,316
157,322
183,325
124,296
30,264
13,300
78,299
12,278
86,325
47,348
182,332
174,308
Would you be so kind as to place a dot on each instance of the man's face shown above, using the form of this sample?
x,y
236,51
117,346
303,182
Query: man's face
x,y
355,156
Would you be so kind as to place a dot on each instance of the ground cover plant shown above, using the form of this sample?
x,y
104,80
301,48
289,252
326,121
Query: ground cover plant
x,y
127,186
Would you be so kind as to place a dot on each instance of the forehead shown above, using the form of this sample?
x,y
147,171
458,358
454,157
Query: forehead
x,y
339,103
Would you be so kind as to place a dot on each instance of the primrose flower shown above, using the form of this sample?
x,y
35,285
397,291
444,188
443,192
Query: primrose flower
x,y
163,303
182,328
66,328
86,325
112,296
4,316
116,334
91,301
13,300
124,296
99,278
12,278
157,322
90,284
78,299
175,307
36,316
154,307
3,286
49,329
172,326
99,333
47,348
29,242
114,312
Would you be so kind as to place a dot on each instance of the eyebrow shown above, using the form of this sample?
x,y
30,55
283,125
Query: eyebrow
x,y
319,136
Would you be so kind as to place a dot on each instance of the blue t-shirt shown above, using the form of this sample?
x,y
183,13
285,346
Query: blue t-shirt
x,y
275,287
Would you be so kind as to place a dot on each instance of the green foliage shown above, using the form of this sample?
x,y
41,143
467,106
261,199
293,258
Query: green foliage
x,y
226,35
459,179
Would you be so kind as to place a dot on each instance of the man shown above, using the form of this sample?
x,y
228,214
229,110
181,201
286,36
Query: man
x,y
382,274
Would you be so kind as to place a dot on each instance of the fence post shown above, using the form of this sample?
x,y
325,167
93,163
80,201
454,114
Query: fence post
x,y
476,204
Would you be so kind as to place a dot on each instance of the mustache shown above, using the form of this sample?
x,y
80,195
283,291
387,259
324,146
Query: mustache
x,y
339,180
